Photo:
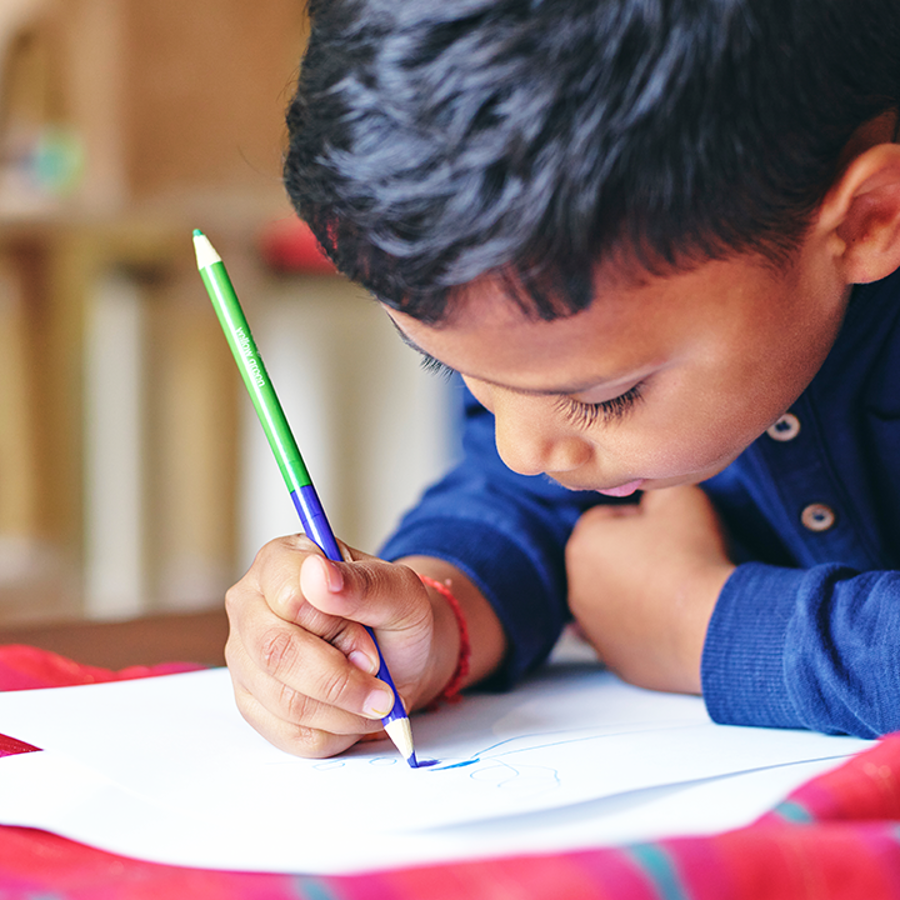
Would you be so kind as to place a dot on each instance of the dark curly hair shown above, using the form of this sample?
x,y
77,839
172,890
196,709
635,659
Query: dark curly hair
x,y
432,143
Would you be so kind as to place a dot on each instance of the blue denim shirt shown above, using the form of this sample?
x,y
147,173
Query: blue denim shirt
x,y
806,632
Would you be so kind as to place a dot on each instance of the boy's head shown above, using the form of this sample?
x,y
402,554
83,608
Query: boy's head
x,y
630,224
433,143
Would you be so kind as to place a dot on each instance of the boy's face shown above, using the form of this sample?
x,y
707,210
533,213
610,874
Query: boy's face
x,y
659,382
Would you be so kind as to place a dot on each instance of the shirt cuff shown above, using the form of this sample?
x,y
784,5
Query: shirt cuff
x,y
743,666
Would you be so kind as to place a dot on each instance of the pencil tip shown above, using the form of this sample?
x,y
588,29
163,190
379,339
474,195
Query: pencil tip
x,y
204,250
401,734
413,762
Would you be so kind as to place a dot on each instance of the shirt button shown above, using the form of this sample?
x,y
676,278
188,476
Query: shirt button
x,y
818,517
785,429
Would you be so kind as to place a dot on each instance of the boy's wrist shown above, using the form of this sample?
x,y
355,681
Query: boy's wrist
x,y
446,645
695,621
459,678
466,615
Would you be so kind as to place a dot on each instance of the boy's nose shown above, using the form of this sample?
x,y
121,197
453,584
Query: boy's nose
x,y
531,447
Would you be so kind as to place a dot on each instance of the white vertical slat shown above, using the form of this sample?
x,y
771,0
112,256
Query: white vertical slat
x,y
114,459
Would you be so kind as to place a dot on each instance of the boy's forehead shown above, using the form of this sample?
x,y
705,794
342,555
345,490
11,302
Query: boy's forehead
x,y
630,325
489,302
493,300
620,291
622,288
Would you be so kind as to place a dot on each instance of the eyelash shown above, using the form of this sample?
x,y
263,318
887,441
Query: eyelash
x,y
583,415
435,367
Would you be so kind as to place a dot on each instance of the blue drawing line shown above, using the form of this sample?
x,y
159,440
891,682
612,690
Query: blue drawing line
x,y
496,771
328,764
494,754
530,747
459,765
490,752
488,755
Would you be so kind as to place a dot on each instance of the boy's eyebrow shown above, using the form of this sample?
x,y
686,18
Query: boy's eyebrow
x,y
543,392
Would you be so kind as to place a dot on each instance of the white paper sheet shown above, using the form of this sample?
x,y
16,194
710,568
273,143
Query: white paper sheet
x,y
166,769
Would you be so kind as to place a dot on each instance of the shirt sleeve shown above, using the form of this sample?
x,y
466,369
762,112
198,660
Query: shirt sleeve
x,y
507,532
805,648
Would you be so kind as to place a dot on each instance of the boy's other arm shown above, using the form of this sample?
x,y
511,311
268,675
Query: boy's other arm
x,y
780,647
643,582
302,664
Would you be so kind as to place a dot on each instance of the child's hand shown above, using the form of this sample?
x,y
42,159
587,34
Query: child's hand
x,y
304,667
643,581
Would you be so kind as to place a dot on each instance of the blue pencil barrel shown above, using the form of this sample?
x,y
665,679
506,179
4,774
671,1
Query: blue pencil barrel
x,y
318,530
315,524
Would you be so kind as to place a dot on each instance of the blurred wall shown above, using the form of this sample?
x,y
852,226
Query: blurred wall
x,y
132,477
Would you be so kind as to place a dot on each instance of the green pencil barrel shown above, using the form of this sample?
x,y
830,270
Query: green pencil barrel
x,y
256,378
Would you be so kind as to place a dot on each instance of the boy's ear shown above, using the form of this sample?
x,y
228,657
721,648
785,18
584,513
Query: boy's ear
x,y
862,212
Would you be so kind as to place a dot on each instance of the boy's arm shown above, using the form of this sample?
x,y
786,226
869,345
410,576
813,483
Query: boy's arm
x,y
771,646
810,648
643,581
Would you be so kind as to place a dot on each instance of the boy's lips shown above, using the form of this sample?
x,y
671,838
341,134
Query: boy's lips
x,y
623,490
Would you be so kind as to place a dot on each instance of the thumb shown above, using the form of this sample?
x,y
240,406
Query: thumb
x,y
385,596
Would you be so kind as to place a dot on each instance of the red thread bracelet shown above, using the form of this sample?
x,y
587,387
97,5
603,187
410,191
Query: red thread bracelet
x,y
450,694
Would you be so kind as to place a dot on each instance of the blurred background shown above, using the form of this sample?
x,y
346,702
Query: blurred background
x,y
134,478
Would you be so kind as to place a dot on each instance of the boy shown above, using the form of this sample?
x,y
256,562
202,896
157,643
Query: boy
x,y
658,240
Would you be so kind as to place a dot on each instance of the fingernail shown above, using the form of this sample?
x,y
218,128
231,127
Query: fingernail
x,y
334,580
378,704
364,662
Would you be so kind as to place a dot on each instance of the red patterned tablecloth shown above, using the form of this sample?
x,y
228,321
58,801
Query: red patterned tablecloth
x,y
836,837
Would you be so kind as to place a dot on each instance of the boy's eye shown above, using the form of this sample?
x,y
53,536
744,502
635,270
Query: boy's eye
x,y
583,415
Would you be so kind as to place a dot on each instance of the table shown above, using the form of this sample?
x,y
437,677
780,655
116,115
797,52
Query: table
x,y
197,637
836,837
